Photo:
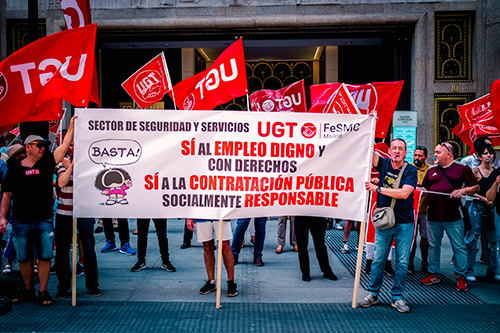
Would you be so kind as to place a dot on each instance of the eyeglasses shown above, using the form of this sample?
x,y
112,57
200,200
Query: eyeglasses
x,y
398,148
444,145
40,145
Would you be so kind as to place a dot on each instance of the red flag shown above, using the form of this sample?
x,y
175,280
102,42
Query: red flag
x,y
338,102
289,99
378,98
77,14
495,101
148,85
224,80
477,120
370,232
54,67
383,150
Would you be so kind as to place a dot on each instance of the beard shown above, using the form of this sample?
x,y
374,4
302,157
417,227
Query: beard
x,y
417,162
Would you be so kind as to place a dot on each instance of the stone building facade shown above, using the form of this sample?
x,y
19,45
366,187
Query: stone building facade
x,y
447,51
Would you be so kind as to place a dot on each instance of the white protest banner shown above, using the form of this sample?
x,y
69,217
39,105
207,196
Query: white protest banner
x,y
220,164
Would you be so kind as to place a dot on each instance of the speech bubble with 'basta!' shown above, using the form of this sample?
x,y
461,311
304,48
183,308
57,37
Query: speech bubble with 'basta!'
x,y
115,152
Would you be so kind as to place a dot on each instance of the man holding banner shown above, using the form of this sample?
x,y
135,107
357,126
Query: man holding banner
x,y
402,232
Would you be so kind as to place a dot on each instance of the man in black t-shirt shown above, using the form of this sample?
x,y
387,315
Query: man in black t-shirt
x,y
28,184
401,232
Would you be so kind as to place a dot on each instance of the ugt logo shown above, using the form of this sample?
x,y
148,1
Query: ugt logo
x,y
308,130
147,85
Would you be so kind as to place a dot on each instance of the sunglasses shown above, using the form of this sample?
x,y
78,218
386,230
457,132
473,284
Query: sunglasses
x,y
40,145
444,145
421,147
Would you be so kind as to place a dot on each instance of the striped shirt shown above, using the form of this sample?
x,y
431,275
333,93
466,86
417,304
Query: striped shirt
x,y
65,205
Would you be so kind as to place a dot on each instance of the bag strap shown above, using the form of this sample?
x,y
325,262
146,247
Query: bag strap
x,y
396,184
448,178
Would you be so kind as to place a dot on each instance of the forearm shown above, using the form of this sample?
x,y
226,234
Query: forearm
x,y
5,207
401,193
64,177
491,195
470,190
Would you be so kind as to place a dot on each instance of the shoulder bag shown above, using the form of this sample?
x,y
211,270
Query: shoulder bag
x,y
383,217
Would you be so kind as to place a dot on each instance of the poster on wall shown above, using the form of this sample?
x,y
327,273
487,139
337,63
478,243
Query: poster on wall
x,y
220,164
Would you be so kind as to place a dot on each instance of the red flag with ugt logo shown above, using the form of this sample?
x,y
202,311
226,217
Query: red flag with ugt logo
x,y
148,85
378,98
288,99
477,120
224,80
54,67
495,101
338,102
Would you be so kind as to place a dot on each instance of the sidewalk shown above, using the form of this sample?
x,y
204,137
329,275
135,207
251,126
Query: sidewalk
x,y
272,298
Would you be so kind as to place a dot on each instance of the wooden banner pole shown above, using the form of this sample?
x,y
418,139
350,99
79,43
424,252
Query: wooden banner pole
x,y
219,265
75,252
358,264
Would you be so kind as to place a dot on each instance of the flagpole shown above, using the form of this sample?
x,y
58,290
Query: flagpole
x,y
248,103
173,97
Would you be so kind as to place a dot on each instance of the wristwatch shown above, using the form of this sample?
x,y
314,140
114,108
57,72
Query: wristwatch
x,y
378,190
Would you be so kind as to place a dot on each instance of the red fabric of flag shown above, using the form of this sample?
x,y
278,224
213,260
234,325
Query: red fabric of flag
x,y
224,80
338,102
148,85
77,14
378,98
291,98
495,101
477,120
54,67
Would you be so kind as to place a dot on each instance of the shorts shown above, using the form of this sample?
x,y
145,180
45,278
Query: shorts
x,y
422,222
29,234
205,230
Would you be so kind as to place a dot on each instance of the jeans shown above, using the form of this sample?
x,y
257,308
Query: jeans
x,y
260,235
64,234
304,224
455,231
123,231
497,234
476,211
40,234
142,238
403,237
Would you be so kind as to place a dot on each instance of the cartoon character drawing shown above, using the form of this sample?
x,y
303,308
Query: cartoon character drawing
x,y
113,183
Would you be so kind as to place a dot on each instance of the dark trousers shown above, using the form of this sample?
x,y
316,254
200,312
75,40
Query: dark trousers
x,y
64,234
304,224
188,234
123,231
142,238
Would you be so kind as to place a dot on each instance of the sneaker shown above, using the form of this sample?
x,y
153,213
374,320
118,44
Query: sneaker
x,y
388,269
168,266
232,289
492,276
95,292
431,279
462,285
79,270
139,266
411,269
98,230
400,305
126,249
471,278
368,267
185,245
110,246
338,226
345,248
368,301
207,288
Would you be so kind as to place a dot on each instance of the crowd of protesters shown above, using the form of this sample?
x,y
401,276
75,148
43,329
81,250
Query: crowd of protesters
x,y
32,171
